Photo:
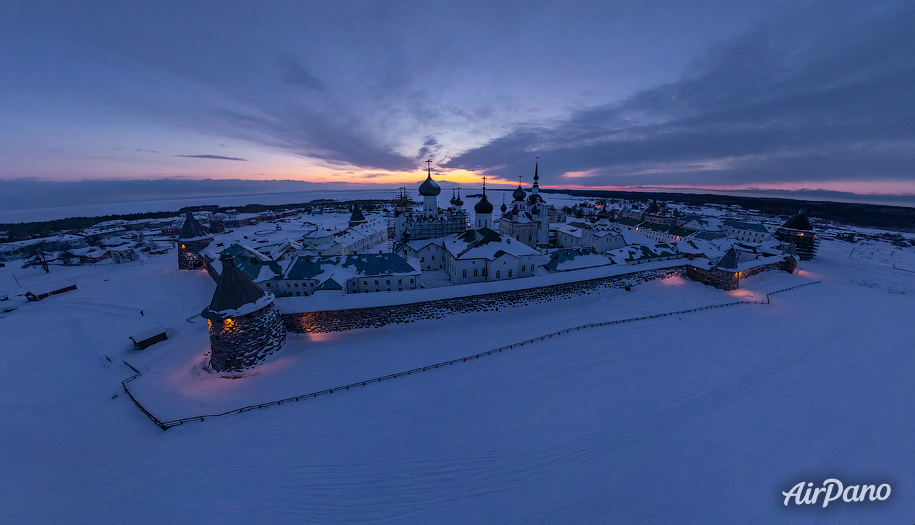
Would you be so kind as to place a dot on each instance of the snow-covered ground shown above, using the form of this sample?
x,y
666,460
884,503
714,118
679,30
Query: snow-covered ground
x,y
705,417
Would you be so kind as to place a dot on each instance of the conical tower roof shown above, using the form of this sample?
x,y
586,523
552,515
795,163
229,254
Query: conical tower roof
x,y
191,229
234,290
798,222
729,260
357,216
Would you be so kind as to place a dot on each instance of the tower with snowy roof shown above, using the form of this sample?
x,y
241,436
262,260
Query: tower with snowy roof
x,y
357,217
192,239
244,323
800,232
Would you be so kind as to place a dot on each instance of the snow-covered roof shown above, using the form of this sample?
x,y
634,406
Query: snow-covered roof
x,y
739,225
342,268
485,244
236,294
192,230
575,259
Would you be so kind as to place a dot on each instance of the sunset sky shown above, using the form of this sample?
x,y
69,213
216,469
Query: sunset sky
x,y
657,94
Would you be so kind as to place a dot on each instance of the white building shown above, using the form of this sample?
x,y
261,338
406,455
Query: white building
x,y
528,221
484,255
359,273
19,249
746,231
429,252
602,236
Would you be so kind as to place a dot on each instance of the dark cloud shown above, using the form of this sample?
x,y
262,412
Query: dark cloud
x,y
294,73
824,92
214,157
313,134
430,147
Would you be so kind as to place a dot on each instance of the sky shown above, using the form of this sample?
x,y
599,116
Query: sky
x,y
720,95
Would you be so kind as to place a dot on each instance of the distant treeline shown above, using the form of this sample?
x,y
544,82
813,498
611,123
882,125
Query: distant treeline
x,y
30,230
898,218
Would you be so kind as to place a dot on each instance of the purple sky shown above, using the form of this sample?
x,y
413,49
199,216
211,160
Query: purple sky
x,y
714,94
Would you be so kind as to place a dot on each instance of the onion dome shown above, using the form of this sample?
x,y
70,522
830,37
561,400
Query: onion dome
x,y
484,206
457,200
429,188
453,199
519,194
504,208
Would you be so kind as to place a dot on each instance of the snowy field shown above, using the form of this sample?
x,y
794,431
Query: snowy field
x,y
705,417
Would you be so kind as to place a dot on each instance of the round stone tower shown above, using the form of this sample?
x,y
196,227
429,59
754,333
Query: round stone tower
x,y
245,326
191,240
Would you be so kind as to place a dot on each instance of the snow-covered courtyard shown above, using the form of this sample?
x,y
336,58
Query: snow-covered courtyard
x,y
704,417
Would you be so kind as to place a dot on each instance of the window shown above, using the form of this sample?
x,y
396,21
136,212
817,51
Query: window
x,y
296,285
411,281
366,283
484,272
288,285
297,294
399,281
389,281
268,285
376,282
422,259
474,272
509,273
498,274
465,273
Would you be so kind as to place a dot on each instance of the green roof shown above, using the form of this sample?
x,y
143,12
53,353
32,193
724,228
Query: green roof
x,y
309,267
250,262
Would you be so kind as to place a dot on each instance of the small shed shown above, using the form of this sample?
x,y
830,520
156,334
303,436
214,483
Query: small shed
x,y
149,337
49,291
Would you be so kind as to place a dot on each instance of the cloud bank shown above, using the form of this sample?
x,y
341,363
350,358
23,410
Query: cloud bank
x,y
820,93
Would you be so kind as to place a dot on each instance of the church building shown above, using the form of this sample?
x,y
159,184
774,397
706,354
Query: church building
x,y
528,220
433,222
